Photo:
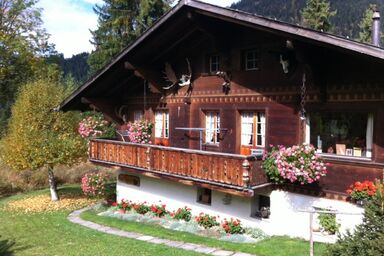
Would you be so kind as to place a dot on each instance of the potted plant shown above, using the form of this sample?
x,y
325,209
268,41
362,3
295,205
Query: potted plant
x,y
360,192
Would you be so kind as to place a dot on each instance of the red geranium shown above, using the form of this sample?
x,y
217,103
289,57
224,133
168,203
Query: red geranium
x,y
362,190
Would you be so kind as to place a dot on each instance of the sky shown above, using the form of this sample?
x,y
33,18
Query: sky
x,y
69,21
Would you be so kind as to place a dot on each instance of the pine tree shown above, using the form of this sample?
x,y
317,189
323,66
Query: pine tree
x,y
368,239
317,14
365,25
120,22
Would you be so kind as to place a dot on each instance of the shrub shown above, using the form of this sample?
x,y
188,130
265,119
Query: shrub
x,y
362,190
206,220
328,222
368,238
183,214
94,184
232,226
140,131
294,164
94,125
141,208
159,210
123,205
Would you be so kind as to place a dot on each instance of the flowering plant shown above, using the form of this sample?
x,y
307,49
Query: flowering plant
x,y
206,220
232,226
294,164
141,208
362,190
94,184
182,214
95,126
159,210
123,205
140,131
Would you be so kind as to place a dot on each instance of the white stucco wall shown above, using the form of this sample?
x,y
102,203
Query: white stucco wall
x,y
285,219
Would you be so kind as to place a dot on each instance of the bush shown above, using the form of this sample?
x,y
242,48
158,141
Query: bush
x,y
123,205
182,214
328,222
206,220
159,210
294,164
141,208
232,226
368,238
94,184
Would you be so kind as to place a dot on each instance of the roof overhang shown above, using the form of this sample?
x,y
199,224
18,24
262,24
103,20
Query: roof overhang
x,y
233,16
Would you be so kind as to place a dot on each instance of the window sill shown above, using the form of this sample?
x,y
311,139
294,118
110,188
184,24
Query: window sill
x,y
346,158
216,145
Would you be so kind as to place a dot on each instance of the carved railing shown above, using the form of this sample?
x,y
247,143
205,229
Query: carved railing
x,y
230,169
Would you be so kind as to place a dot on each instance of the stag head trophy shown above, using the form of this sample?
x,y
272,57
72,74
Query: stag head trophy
x,y
170,77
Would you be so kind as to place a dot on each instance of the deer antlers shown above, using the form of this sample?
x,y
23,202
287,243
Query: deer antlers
x,y
170,76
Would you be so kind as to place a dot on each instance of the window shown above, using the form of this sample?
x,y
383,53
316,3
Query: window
x,y
349,134
129,179
161,124
214,63
212,125
204,195
253,129
251,59
138,115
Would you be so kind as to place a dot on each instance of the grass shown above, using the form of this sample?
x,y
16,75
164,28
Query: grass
x,y
52,234
274,246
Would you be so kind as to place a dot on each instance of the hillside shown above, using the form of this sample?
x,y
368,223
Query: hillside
x,y
349,12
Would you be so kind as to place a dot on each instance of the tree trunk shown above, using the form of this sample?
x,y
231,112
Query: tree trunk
x,y
52,184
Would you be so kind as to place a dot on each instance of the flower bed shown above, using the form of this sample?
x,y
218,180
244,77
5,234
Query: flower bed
x,y
181,220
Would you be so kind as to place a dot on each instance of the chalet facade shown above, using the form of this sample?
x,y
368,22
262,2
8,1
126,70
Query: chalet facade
x,y
222,85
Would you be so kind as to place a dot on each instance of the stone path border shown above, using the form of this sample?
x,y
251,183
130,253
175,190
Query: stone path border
x,y
74,217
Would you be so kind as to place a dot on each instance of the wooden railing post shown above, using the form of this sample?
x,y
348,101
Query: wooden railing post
x,y
149,157
246,167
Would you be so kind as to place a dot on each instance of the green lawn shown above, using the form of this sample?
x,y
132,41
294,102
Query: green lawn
x,y
53,234
274,246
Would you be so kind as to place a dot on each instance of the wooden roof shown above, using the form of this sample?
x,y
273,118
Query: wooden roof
x,y
224,14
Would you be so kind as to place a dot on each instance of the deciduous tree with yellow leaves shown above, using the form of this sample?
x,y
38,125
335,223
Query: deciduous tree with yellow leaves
x,y
39,137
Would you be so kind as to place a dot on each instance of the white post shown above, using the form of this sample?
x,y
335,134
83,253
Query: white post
x,y
311,234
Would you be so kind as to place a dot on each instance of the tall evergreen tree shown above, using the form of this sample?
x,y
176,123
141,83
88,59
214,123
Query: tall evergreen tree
x,y
365,25
120,22
317,14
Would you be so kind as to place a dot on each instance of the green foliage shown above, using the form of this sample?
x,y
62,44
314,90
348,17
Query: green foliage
x,y
206,220
317,14
365,25
120,22
23,42
368,238
37,135
182,214
328,222
345,22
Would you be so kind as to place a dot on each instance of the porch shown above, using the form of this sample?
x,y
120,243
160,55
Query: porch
x,y
231,173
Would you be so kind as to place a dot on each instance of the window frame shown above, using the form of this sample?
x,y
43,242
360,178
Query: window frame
x,y
216,63
254,60
370,118
138,115
215,130
258,118
164,120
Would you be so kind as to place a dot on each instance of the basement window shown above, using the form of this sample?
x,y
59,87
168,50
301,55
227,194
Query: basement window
x,y
129,179
204,196
261,206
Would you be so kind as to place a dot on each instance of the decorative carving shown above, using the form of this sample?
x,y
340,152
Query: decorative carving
x,y
246,166
170,76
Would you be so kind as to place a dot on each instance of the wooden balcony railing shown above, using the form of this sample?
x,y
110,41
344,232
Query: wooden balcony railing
x,y
227,169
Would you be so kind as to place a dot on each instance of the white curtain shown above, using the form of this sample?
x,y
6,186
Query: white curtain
x,y
369,135
247,128
159,124
261,124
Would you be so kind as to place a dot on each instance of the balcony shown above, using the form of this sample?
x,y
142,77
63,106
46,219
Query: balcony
x,y
236,174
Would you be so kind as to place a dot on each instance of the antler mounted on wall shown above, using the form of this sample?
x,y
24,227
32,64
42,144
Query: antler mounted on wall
x,y
119,113
170,76
226,76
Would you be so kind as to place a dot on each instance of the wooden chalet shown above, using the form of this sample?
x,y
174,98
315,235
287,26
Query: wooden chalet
x,y
222,85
